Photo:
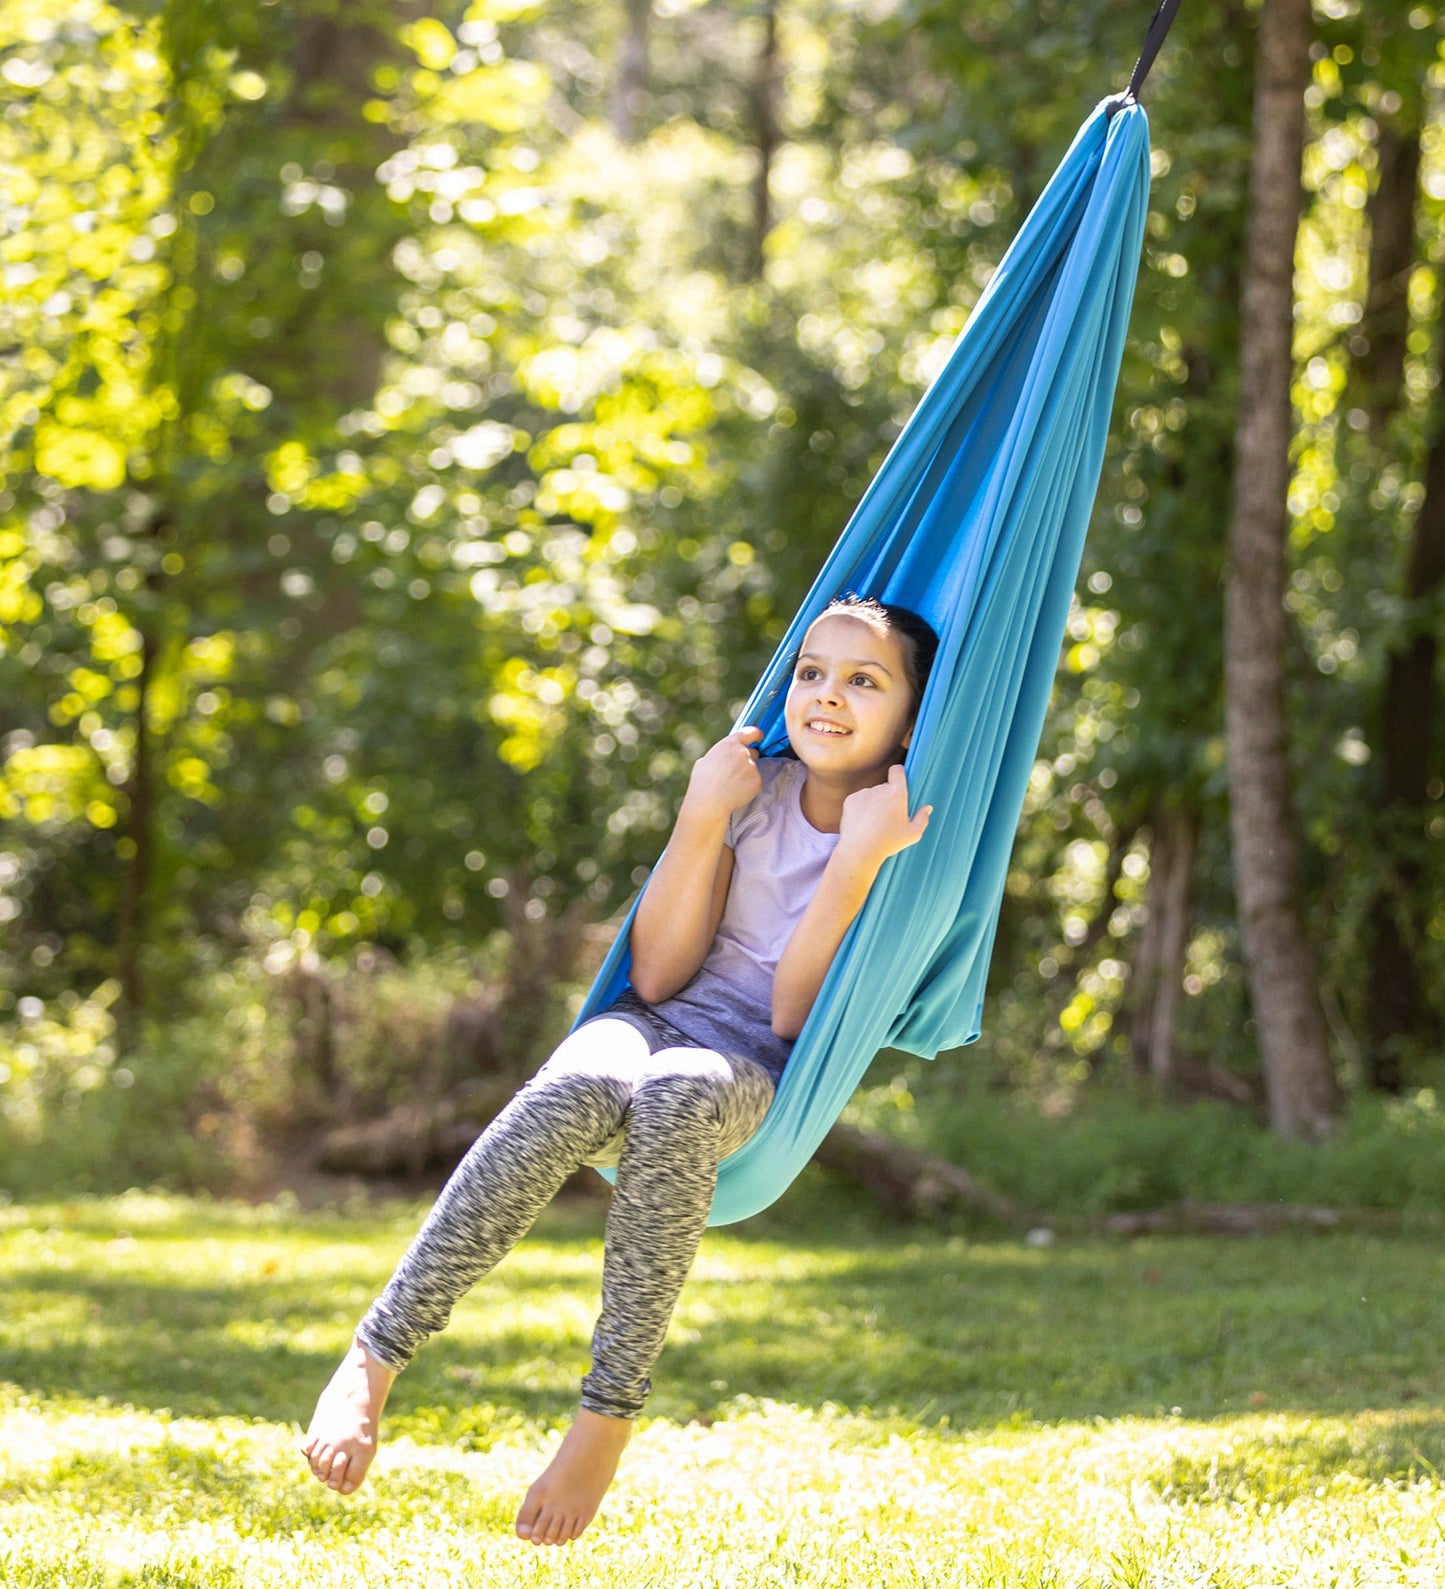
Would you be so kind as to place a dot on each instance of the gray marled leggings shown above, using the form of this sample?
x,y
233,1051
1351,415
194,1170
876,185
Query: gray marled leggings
x,y
611,1093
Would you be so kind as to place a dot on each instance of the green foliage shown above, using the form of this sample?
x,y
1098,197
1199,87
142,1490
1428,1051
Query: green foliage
x,y
76,1116
348,594
1079,1154
404,477
213,1096
277,1041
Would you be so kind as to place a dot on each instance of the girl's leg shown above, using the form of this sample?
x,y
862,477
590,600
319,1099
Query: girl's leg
x,y
568,1110
564,1115
690,1107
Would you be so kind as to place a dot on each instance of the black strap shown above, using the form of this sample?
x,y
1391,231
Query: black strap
x,y
1159,26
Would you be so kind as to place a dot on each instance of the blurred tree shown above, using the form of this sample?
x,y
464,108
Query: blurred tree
x,y
1363,524
408,467
226,358
768,74
298,754
1282,980
629,93
1400,1023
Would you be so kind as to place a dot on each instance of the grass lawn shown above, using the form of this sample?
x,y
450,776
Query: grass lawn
x,y
836,1406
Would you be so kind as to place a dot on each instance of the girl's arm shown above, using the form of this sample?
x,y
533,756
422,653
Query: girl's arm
x,y
685,896
875,825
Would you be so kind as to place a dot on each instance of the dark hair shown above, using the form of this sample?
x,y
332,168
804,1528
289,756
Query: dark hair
x,y
919,636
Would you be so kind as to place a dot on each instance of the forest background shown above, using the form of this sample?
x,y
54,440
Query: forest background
x,y
418,423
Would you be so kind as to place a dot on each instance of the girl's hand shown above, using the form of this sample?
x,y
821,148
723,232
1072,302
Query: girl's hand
x,y
875,822
726,777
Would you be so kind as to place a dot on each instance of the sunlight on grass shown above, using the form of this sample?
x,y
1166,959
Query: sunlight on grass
x,y
156,1354
769,1494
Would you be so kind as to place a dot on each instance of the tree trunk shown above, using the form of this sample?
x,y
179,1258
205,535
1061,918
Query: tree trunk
x,y
1378,347
140,832
134,913
1098,929
335,58
543,952
765,124
1396,1007
1278,964
1159,965
630,94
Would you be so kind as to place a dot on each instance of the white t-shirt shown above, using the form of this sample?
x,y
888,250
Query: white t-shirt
x,y
779,858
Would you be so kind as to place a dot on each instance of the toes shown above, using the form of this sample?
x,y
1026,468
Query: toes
x,y
527,1519
543,1523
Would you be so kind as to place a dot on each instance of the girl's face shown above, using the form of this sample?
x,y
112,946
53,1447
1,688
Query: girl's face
x,y
850,706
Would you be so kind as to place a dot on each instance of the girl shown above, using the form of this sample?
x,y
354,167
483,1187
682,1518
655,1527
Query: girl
x,y
769,862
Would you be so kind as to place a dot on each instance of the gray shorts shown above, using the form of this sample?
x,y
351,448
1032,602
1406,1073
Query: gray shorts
x,y
654,1026
728,1025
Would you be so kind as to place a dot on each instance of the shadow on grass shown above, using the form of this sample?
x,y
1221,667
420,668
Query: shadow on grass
x,y
927,1329
1281,1466
182,1347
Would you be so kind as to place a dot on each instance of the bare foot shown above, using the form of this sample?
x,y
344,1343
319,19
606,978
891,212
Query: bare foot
x,y
342,1438
565,1499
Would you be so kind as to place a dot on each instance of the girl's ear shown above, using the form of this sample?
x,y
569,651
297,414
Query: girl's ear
x,y
907,736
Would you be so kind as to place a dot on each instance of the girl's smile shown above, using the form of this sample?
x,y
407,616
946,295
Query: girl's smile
x,y
849,709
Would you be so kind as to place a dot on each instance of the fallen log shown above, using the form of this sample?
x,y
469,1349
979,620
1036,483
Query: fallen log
x,y
414,1138
1241,1219
907,1181
417,1139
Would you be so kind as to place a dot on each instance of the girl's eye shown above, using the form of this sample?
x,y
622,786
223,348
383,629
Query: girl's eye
x,y
862,678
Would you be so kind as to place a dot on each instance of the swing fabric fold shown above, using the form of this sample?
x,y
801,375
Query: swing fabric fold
x,y
976,519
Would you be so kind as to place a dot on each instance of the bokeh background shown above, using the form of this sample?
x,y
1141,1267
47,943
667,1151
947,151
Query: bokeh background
x,y
418,423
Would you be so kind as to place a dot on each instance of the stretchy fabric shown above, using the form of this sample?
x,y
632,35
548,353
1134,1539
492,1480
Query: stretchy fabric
x,y
976,521
778,861
667,1112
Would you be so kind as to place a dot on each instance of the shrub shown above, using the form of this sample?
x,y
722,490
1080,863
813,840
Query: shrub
x,y
1109,1151
253,1054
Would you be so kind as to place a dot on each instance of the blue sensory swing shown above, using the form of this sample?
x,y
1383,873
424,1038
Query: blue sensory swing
x,y
976,520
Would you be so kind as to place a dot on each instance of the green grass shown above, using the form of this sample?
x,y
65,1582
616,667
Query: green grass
x,y
861,1407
